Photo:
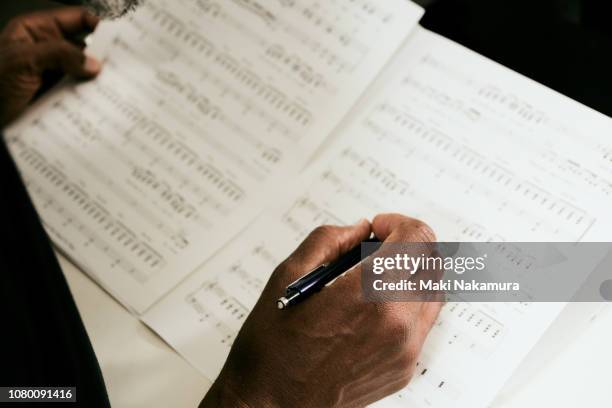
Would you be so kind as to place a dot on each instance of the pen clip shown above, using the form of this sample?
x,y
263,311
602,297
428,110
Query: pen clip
x,y
307,277
294,290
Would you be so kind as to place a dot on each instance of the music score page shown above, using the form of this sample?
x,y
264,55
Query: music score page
x,y
202,109
445,135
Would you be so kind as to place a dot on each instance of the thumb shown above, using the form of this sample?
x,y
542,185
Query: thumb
x,y
61,55
399,228
323,245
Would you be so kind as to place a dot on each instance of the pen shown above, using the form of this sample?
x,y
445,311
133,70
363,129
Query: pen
x,y
315,280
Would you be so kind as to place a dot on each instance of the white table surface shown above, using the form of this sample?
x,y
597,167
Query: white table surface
x,y
141,370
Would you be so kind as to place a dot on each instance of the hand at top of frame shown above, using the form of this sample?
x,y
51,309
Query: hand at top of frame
x,y
334,349
39,48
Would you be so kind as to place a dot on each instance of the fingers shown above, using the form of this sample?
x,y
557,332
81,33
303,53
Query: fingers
x,y
68,20
323,245
411,236
399,228
75,20
384,224
392,228
60,55
58,23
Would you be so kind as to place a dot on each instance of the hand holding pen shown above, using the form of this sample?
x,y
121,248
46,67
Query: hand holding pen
x,y
333,326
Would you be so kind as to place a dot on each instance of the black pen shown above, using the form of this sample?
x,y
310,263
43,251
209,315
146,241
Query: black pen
x,y
315,280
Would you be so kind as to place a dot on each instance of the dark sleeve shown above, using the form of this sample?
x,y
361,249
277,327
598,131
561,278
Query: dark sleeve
x,y
596,15
43,340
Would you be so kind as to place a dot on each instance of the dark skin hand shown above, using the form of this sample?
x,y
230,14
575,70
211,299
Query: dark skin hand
x,y
335,349
41,47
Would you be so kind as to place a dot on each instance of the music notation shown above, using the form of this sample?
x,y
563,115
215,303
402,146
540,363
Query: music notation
x,y
78,214
511,102
461,328
392,123
305,213
189,125
215,307
209,7
205,108
571,168
439,96
606,152
178,152
175,200
295,65
258,9
423,145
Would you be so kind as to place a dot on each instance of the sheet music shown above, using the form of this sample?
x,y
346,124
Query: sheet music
x,y
201,108
475,150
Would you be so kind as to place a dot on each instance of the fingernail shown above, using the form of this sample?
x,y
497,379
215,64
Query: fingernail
x,y
91,65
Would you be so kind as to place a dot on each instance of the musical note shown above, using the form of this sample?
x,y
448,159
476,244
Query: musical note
x,y
443,155
187,125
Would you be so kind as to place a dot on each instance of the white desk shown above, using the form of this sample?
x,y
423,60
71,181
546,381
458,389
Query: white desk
x,y
141,370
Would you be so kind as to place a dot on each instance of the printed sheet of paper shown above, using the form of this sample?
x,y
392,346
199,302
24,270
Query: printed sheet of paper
x,y
475,150
202,106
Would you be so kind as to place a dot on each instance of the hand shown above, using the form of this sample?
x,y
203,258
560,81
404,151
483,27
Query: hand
x,y
38,46
334,349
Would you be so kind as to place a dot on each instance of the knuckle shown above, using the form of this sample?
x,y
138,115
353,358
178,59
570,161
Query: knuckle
x,y
14,28
378,217
418,231
13,23
323,231
324,238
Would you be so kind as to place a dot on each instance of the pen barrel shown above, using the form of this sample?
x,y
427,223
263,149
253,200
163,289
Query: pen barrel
x,y
310,281
319,277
